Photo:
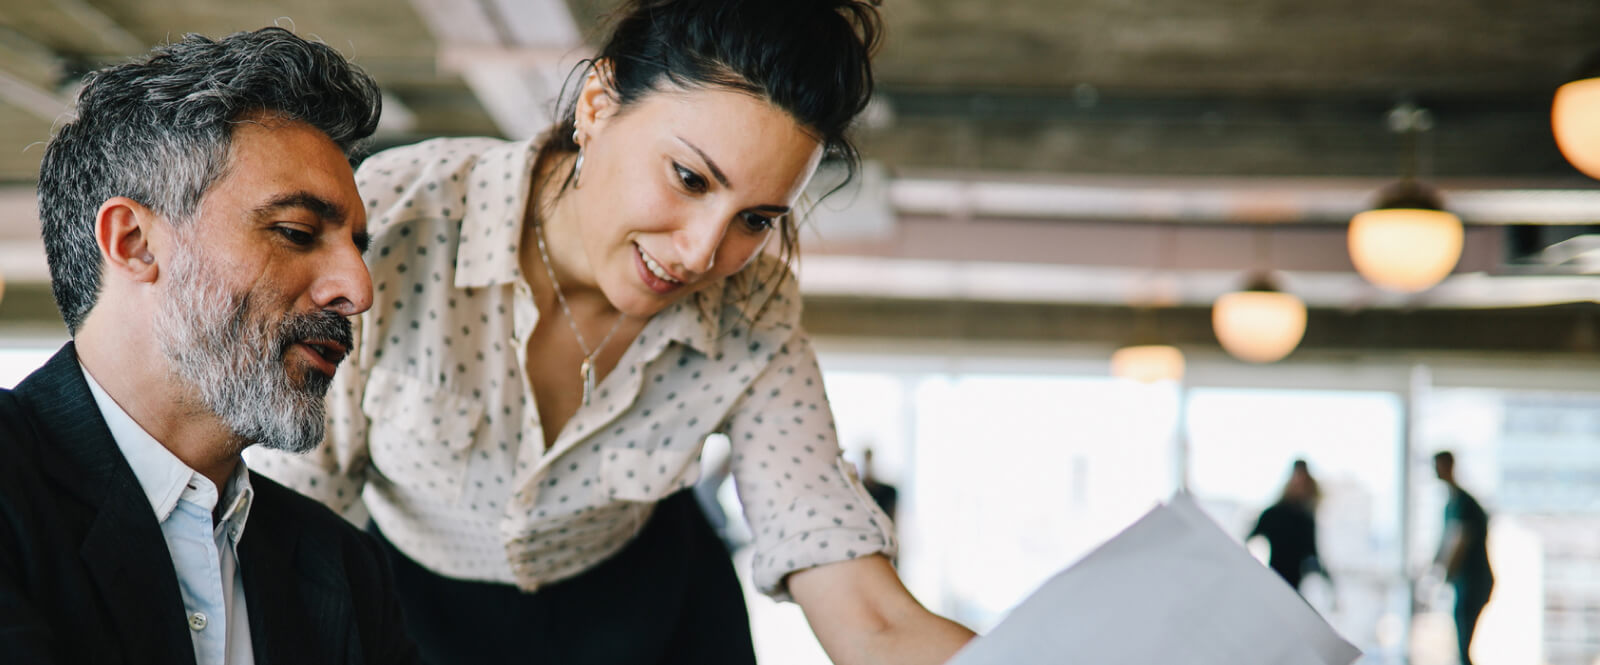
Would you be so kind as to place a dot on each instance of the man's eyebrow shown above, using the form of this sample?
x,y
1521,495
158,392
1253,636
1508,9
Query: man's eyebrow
x,y
715,172
324,209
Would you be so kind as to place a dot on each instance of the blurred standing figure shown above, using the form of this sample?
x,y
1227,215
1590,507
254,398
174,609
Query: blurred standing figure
x,y
1464,553
1290,527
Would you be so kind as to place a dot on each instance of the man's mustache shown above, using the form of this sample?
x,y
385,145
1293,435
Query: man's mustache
x,y
321,325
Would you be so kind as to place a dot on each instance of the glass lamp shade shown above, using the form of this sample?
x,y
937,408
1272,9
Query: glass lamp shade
x,y
1258,326
1148,363
1575,121
1405,249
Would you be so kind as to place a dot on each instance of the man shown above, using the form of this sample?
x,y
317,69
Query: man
x,y
1464,553
205,242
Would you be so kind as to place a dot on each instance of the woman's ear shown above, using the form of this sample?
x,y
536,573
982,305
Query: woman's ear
x,y
597,100
123,230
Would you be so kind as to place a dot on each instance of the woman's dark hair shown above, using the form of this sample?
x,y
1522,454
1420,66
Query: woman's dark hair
x,y
810,58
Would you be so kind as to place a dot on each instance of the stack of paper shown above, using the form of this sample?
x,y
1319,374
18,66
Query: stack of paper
x,y
1172,588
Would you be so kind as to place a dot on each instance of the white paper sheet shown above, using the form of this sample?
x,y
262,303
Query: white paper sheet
x,y
1172,588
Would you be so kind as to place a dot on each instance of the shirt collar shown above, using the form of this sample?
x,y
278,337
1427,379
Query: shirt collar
x,y
160,473
239,497
491,225
164,478
696,320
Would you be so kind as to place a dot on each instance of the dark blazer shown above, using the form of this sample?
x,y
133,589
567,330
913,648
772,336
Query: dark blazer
x,y
85,576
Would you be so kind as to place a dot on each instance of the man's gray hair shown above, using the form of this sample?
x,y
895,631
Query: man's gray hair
x,y
158,131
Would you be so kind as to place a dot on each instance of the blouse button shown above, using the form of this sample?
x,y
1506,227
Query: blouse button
x,y
197,621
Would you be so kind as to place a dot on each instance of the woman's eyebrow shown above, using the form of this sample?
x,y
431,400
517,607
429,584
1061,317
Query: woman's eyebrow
x,y
715,172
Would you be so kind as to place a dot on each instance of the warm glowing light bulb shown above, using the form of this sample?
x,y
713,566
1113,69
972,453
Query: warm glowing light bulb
x,y
1405,249
1575,121
1258,326
1148,363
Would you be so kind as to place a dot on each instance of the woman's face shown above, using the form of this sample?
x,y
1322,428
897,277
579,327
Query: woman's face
x,y
682,189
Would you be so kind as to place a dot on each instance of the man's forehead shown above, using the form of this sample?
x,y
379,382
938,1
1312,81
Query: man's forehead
x,y
278,164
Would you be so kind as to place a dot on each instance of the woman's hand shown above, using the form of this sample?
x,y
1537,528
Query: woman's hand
x,y
863,615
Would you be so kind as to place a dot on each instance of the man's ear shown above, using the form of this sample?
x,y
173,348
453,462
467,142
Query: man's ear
x,y
597,100
123,230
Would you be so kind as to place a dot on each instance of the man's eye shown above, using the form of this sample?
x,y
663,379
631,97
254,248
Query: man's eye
x,y
691,180
295,236
757,223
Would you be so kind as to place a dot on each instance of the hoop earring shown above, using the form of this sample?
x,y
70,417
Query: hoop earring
x,y
577,165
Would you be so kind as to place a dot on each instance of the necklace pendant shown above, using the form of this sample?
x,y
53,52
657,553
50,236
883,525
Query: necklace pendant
x,y
587,372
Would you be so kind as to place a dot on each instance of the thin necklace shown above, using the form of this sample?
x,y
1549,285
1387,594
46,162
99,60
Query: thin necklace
x,y
586,370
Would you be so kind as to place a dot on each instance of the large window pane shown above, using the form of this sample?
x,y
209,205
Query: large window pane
x,y
1533,460
1018,476
1242,443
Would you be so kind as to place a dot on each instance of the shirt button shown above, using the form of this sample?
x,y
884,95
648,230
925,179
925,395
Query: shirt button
x,y
197,621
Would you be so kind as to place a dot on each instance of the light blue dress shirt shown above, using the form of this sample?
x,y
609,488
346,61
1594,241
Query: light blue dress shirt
x,y
204,552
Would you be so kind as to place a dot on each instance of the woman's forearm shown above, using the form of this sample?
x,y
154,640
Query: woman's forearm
x,y
863,615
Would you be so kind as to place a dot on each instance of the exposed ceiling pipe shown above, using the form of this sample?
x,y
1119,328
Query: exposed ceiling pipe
x,y
514,54
1218,201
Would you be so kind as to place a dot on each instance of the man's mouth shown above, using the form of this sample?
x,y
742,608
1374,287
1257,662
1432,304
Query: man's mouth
x,y
330,351
325,355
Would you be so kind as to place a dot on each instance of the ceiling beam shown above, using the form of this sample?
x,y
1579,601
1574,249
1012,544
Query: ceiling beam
x,y
29,71
1565,329
37,101
117,41
1026,131
1221,200
513,54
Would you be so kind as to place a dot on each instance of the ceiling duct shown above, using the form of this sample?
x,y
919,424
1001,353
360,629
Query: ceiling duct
x,y
1552,250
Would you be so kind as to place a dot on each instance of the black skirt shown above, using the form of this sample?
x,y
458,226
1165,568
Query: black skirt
x,y
668,597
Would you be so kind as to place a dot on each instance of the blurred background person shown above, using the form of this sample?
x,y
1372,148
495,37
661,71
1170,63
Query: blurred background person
x,y
1290,527
1464,553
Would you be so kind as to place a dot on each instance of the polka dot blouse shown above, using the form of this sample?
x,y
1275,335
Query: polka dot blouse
x,y
433,424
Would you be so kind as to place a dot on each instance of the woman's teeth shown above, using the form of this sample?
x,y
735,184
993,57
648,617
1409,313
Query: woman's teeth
x,y
656,269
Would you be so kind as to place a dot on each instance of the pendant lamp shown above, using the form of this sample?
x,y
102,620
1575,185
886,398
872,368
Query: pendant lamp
x,y
1148,363
1408,242
1260,323
1147,359
1575,118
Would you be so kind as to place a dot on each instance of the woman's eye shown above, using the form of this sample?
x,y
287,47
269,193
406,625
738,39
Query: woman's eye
x,y
691,180
756,222
295,236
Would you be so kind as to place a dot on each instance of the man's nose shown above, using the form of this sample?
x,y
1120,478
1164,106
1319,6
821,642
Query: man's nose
x,y
345,287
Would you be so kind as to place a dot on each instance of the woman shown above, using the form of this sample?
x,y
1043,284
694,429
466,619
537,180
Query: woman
x,y
1290,527
560,324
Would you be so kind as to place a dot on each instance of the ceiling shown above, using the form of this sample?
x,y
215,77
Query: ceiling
x,y
1083,153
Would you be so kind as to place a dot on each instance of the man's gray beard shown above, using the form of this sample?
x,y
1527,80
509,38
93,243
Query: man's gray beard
x,y
236,361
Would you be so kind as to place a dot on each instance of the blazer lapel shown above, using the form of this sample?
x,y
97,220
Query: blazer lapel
x,y
299,602
123,550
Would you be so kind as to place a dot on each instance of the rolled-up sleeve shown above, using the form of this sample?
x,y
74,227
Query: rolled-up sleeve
x,y
805,504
